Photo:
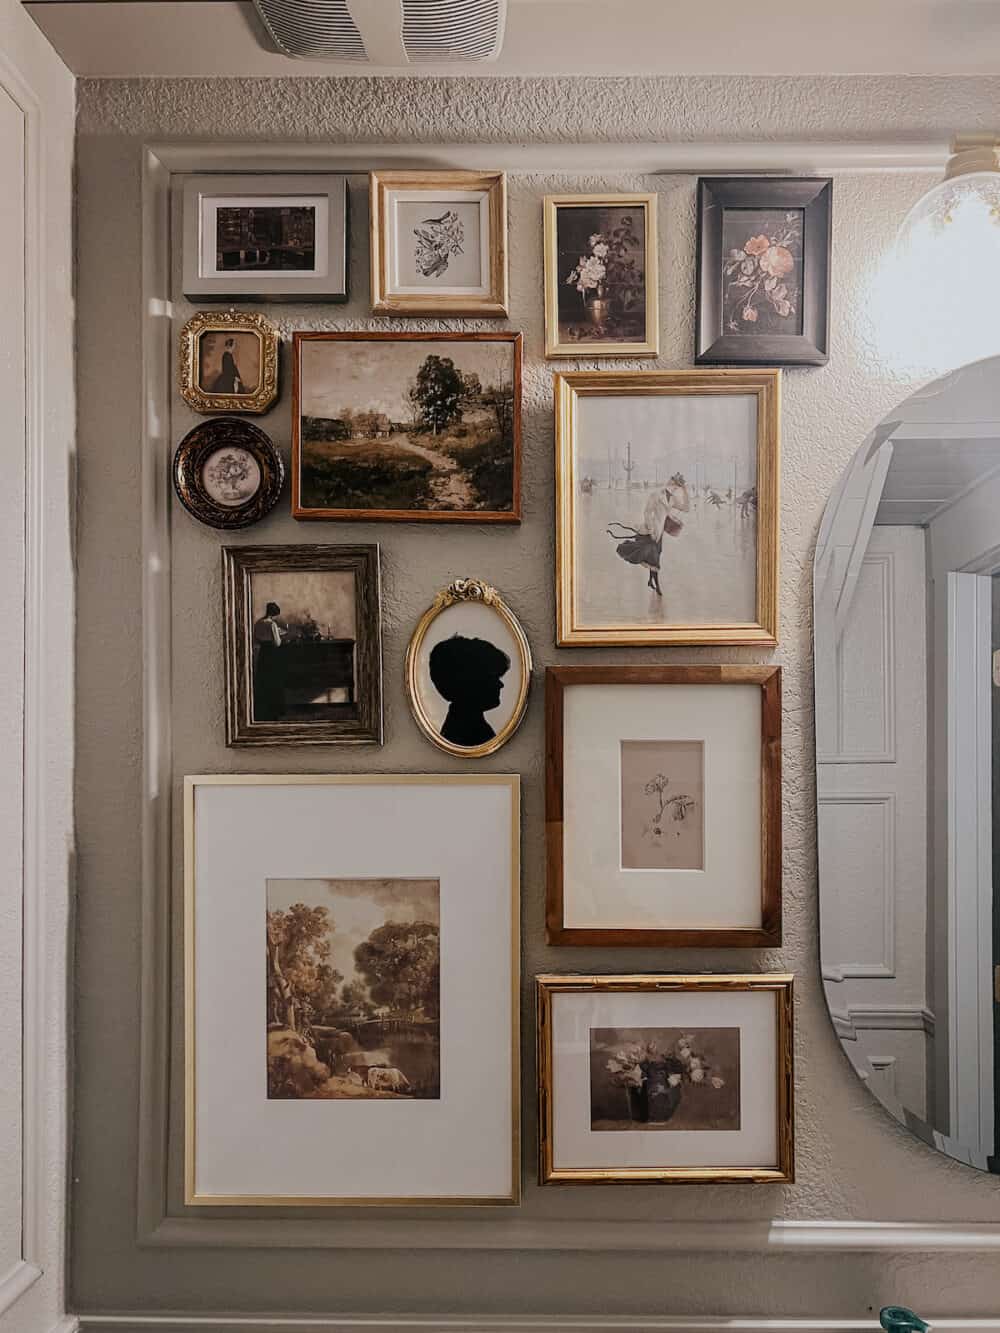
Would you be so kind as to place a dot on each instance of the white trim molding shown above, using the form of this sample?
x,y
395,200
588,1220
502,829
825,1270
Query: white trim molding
x,y
881,1018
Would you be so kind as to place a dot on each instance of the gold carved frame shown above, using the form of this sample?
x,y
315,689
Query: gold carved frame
x,y
191,783
782,1171
384,302
189,369
572,387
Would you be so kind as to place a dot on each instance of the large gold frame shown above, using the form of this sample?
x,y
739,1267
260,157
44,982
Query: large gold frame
x,y
765,385
468,590
551,205
189,371
191,784
494,303
782,1172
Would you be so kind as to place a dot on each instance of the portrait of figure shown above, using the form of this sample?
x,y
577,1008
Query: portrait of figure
x,y
229,363
469,674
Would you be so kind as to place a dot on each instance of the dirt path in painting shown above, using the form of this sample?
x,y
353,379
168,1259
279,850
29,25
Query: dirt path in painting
x,y
451,489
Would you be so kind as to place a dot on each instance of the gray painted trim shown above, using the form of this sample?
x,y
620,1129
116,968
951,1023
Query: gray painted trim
x,y
128,1323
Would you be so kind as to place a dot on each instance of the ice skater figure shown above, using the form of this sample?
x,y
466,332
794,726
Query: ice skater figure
x,y
645,546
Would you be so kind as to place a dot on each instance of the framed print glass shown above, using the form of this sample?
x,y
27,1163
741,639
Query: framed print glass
x,y
228,362
351,989
439,242
271,236
227,473
763,291
417,427
303,645
667,507
646,1079
663,806
601,296
468,670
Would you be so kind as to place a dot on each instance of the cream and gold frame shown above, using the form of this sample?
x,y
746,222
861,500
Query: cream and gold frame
x,y
575,386
189,361
382,185
468,590
650,346
191,784
782,1171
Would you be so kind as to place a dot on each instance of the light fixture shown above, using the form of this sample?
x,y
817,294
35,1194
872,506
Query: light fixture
x,y
968,195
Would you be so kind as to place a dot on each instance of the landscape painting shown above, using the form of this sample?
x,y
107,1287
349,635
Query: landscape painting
x,y
423,427
664,1079
663,805
353,989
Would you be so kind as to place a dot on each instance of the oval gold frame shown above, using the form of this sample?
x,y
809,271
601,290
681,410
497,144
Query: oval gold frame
x,y
227,321
468,590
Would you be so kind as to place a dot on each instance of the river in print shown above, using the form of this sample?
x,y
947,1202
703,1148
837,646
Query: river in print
x,y
353,989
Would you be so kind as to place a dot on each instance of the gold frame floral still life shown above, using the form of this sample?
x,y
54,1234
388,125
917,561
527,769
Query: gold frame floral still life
x,y
228,325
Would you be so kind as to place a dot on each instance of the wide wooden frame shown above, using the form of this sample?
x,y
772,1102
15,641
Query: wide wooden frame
x,y
239,564
188,366
765,385
551,205
404,515
384,302
191,783
468,590
781,984
197,447
768,679
810,347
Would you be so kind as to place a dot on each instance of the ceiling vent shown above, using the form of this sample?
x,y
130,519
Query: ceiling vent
x,y
386,32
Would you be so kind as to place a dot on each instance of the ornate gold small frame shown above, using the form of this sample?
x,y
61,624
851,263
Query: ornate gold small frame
x,y
468,590
189,361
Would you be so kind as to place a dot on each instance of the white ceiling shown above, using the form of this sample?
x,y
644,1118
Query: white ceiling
x,y
190,38
927,476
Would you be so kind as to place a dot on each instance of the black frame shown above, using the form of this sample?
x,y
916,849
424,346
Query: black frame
x,y
199,444
812,194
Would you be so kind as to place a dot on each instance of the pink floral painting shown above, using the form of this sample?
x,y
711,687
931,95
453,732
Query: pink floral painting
x,y
762,271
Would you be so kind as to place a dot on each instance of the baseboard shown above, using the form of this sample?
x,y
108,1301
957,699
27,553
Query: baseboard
x,y
251,1323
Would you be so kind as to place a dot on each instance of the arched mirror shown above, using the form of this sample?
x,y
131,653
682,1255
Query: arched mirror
x,y
907,651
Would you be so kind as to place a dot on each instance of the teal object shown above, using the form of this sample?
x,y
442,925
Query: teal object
x,y
898,1319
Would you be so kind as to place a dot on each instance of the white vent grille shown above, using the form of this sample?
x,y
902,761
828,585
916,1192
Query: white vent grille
x,y
441,30
320,29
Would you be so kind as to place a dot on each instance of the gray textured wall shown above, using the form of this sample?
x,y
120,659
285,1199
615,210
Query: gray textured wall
x,y
853,1161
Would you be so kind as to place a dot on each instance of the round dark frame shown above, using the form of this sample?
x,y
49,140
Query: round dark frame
x,y
221,433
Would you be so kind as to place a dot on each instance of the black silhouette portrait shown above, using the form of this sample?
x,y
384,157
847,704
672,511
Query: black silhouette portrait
x,y
468,674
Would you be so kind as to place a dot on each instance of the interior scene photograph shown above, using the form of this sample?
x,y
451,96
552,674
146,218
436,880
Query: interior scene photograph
x,y
502,548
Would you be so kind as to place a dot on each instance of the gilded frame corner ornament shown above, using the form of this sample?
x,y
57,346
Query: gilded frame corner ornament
x,y
227,321
458,591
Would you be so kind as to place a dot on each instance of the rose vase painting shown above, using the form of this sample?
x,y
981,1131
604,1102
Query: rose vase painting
x,y
762,271
664,1079
353,980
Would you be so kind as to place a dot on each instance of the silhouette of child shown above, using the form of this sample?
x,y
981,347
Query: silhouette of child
x,y
467,672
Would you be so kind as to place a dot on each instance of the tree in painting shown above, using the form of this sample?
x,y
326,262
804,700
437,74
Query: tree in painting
x,y
400,964
437,392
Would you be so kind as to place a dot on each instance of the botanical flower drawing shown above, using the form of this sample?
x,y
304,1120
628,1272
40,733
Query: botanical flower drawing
x,y
760,277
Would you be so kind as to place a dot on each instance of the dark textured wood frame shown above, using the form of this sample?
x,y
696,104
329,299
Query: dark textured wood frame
x,y
404,515
813,195
783,1170
226,433
768,679
239,564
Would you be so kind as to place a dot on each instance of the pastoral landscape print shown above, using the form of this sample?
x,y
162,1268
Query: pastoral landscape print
x,y
353,989
407,426
664,1079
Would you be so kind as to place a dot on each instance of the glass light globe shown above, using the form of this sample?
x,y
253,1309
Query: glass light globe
x,y
969,200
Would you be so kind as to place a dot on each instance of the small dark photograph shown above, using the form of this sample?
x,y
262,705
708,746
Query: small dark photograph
x,y
601,274
468,674
304,639
265,240
762,270
664,1078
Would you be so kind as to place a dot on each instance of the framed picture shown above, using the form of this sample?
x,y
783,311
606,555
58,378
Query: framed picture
x,y
351,989
227,473
663,806
228,362
601,296
667,507
265,237
303,645
763,271
409,426
653,1079
439,242
468,670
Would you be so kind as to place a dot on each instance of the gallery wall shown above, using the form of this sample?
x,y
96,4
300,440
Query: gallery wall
x,y
853,1161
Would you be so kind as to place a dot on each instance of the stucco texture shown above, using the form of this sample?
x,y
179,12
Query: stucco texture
x,y
853,1160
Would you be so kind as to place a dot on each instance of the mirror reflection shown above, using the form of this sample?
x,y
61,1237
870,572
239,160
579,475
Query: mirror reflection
x,y
907,651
